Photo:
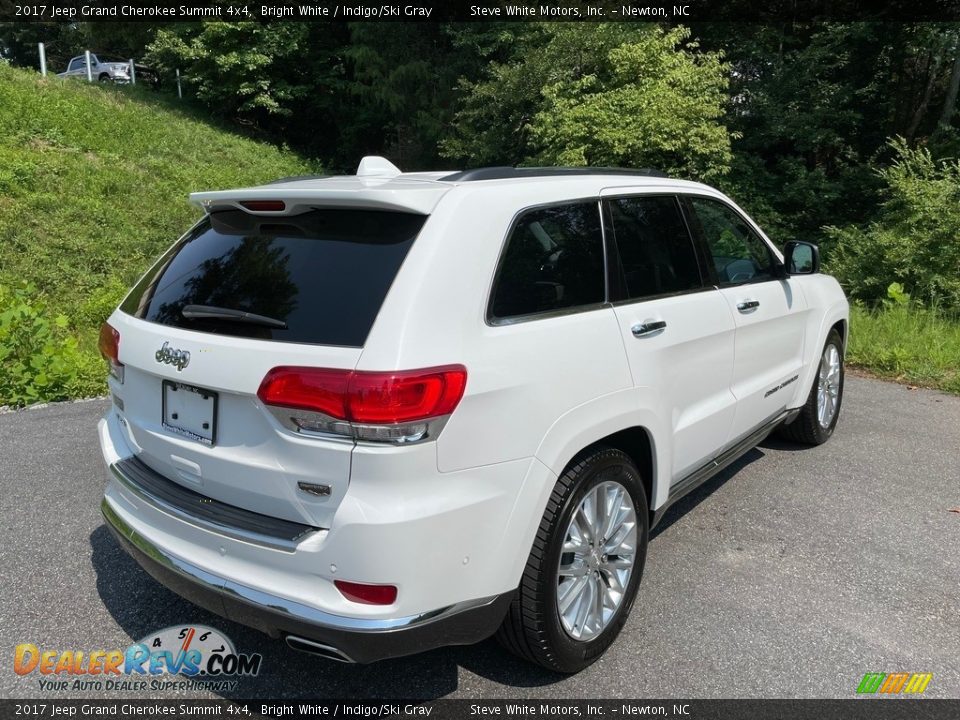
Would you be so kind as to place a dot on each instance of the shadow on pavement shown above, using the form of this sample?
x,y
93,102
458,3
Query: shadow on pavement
x,y
140,605
688,502
775,443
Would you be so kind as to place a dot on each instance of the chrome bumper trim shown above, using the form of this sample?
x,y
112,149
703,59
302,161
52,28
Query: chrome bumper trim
x,y
360,639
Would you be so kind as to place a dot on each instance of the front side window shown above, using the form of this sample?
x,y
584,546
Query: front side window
x,y
76,63
553,261
655,248
739,255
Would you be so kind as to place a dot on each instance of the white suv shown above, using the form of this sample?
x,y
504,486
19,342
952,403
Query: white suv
x,y
382,413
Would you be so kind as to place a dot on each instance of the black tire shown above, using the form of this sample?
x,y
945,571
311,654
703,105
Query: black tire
x,y
532,628
806,428
104,78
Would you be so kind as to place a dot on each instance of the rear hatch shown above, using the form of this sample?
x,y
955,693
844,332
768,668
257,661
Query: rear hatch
x,y
239,294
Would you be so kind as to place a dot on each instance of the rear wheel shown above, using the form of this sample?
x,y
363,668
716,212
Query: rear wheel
x,y
582,574
818,416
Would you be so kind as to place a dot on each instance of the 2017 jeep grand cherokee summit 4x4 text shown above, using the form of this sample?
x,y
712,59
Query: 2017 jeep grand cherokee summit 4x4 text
x,y
382,413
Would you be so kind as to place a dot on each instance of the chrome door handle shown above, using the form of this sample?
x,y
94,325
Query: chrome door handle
x,y
648,328
748,305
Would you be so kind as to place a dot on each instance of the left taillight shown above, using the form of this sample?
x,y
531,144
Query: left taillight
x,y
395,407
110,349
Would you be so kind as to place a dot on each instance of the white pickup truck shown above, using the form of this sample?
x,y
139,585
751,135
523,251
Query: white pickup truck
x,y
109,69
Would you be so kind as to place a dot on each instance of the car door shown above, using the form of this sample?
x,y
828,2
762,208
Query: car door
x,y
767,307
677,329
77,67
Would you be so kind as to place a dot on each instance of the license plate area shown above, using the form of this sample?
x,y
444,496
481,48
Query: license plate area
x,y
190,411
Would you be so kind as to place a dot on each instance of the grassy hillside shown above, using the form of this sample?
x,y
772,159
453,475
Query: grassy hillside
x,y
93,186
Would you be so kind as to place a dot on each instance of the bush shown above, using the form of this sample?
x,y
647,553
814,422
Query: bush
x,y
914,242
39,357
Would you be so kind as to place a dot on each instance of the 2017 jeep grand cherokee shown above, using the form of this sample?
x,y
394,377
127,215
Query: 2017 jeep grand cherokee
x,y
387,412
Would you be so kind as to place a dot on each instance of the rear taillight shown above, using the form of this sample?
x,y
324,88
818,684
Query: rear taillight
x,y
367,594
109,344
397,406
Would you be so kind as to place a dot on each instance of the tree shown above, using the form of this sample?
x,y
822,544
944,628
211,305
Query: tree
x,y
652,101
950,102
243,70
403,86
608,94
914,239
18,43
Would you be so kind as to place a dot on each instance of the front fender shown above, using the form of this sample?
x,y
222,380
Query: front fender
x,y
827,306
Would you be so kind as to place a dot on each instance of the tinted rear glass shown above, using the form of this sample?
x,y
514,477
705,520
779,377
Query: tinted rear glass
x,y
553,261
324,273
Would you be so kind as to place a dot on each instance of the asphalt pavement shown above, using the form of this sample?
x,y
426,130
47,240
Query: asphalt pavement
x,y
791,574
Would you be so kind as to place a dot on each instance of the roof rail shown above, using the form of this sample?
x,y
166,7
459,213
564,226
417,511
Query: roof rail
x,y
506,173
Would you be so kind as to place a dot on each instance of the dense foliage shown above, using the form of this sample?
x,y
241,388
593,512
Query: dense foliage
x,y
914,240
843,133
602,95
40,359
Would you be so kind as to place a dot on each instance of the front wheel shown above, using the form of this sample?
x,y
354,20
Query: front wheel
x,y
818,416
584,569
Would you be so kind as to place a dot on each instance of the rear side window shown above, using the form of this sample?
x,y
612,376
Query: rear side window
x,y
656,250
553,261
318,278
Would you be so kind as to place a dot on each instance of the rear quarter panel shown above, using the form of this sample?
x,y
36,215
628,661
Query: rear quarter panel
x,y
522,377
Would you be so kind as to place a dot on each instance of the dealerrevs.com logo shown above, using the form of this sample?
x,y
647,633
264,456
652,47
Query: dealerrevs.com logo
x,y
202,657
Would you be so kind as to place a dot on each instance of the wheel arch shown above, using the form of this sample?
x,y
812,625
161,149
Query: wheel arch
x,y
842,327
616,420
637,443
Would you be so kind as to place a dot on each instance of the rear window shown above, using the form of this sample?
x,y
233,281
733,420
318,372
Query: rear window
x,y
318,278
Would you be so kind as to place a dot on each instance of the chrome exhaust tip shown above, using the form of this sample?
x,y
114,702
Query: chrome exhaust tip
x,y
314,648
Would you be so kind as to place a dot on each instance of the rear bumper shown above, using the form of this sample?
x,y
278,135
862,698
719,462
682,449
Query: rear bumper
x,y
361,640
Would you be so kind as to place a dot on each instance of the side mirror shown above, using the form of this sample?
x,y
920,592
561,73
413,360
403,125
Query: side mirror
x,y
801,258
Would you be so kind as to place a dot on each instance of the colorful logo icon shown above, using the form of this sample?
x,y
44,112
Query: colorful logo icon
x,y
188,650
894,683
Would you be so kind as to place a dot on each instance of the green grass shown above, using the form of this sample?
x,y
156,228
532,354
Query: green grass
x,y
908,344
93,186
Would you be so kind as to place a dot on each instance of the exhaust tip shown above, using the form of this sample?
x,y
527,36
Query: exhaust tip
x,y
312,647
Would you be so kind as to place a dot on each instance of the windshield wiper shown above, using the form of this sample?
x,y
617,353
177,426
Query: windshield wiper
x,y
195,312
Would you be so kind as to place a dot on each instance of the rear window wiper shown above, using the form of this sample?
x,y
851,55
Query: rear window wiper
x,y
196,312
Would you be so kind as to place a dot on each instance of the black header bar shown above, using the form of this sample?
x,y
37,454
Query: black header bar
x,y
675,11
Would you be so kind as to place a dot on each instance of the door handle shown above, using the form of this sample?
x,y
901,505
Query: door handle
x,y
748,305
648,328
